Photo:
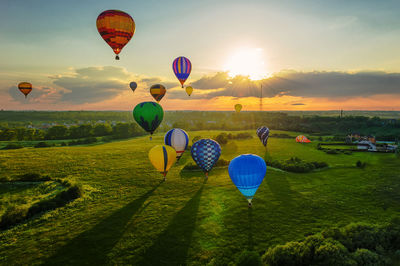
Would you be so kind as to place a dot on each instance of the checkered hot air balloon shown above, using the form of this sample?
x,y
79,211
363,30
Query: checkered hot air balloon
x,y
263,134
116,28
205,153
178,139
182,68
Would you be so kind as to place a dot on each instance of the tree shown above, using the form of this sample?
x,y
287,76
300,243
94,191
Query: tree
x,y
102,130
57,132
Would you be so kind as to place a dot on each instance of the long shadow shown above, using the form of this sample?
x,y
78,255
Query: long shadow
x,y
92,246
250,229
172,245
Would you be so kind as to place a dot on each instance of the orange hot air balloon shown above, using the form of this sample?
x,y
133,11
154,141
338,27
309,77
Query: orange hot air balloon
x,y
25,88
116,28
157,91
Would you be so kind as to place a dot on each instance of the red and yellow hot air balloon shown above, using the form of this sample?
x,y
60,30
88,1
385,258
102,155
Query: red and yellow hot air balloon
x,y
25,88
116,28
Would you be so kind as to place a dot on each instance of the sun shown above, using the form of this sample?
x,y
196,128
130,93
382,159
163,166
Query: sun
x,y
247,62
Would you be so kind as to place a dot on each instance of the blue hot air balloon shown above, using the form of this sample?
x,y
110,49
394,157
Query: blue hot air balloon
x,y
247,172
205,153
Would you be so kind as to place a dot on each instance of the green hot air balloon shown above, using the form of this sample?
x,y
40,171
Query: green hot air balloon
x,y
148,115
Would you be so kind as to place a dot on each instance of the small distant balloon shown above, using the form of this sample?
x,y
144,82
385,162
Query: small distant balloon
x,y
25,88
148,115
133,86
157,91
162,157
247,172
178,139
189,90
238,107
302,139
182,68
263,135
116,28
205,153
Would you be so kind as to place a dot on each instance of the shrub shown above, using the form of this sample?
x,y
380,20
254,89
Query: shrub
x,y
13,215
249,258
360,164
296,165
63,144
330,151
42,144
32,177
196,138
222,138
367,257
13,146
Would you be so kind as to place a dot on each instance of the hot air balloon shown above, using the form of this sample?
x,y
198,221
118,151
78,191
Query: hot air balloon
x,y
205,153
25,88
189,90
238,107
148,115
263,134
178,139
162,157
116,28
133,86
302,139
157,91
182,68
247,172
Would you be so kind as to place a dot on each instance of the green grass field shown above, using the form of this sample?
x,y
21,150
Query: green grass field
x,y
128,216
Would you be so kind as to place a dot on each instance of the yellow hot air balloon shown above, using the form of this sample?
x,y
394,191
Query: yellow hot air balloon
x,y
162,157
189,90
238,107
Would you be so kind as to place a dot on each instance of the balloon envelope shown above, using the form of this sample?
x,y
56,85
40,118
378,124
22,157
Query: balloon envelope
x,y
133,85
162,157
182,68
25,88
157,91
116,28
302,139
247,172
238,107
263,134
189,90
205,153
148,115
178,139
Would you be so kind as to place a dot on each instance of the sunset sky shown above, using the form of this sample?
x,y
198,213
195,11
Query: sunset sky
x,y
307,55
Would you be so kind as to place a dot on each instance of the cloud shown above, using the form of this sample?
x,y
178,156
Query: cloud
x,y
302,84
37,95
298,104
92,84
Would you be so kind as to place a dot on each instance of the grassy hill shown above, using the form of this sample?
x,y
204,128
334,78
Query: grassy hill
x,y
128,216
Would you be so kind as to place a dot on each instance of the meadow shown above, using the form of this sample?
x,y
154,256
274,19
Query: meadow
x,y
127,215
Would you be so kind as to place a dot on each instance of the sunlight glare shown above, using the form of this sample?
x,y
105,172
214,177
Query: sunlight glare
x,y
247,62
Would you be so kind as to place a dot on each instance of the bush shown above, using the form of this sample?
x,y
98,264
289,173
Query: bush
x,y
13,146
32,177
222,138
329,151
360,164
13,215
193,166
367,257
42,144
63,144
354,244
249,258
296,165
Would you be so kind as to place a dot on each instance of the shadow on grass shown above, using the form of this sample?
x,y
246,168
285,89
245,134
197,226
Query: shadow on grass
x,y
92,246
172,245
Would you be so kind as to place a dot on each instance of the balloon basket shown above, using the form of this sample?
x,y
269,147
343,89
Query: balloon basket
x,y
116,57
250,204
